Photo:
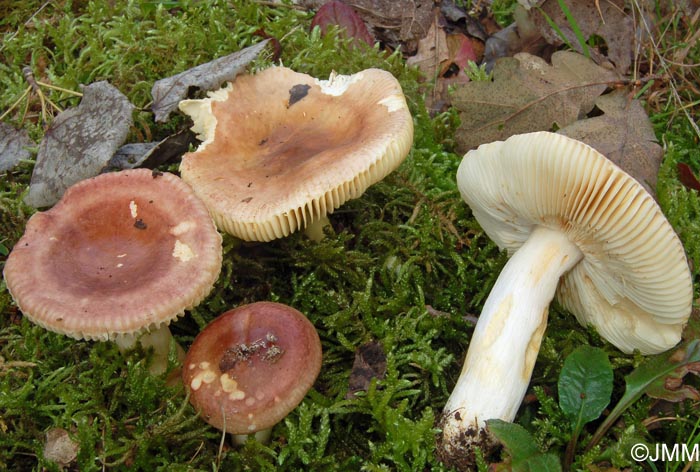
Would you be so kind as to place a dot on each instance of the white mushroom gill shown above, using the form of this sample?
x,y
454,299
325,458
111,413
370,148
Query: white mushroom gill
x,y
504,347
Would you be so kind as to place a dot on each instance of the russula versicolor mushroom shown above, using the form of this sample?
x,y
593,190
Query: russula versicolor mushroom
x,y
251,366
280,150
577,226
119,255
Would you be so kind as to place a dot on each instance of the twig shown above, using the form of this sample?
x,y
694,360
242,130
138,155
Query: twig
x,y
437,313
26,23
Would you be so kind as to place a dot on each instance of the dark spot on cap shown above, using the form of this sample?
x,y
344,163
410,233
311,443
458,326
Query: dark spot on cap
x,y
297,93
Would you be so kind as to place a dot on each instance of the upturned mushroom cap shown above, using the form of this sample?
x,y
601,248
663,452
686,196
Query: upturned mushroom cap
x,y
282,149
120,253
633,283
251,366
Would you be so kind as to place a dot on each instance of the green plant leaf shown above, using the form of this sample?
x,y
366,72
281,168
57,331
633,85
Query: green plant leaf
x,y
644,377
524,453
585,385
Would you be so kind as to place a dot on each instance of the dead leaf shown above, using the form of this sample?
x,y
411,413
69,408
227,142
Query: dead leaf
x,y
151,155
168,92
671,388
461,50
337,13
398,24
606,19
432,52
520,36
624,134
79,142
59,447
687,176
528,94
370,363
13,146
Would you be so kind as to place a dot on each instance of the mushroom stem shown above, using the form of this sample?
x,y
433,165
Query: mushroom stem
x,y
506,340
314,231
263,437
159,339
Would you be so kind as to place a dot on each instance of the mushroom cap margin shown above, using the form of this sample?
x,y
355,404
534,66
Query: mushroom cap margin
x,y
255,392
89,268
266,168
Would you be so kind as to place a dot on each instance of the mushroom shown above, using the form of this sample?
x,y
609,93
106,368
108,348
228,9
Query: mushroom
x,y
576,226
119,255
251,366
280,150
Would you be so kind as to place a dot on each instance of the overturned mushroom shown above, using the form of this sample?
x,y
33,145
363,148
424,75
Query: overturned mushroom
x,y
281,150
576,226
251,366
119,255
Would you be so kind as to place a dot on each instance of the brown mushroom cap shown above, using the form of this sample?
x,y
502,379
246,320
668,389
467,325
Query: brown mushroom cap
x,y
120,253
251,366
282,149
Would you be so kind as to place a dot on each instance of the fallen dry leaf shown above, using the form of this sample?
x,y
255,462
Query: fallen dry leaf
x,y
59,447
151,155
520,36
396,23
624,134
432,52
672,387
79,142
528,94
168,92
606,19
13,146
370,363
461,50
687,176
337,13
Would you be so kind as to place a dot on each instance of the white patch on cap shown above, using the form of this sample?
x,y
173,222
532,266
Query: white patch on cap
x,y
393,103
206,375
230,386
337,84
182,251
134,209
183,227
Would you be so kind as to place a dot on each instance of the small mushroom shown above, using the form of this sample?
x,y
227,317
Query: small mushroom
x,y
281,150
121,254
576,226
251,366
